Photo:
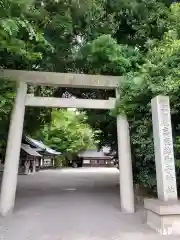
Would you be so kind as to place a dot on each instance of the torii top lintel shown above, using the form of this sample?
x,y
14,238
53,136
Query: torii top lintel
x,y
62,79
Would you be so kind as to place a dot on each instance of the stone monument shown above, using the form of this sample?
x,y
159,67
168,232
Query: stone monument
x,y
163,214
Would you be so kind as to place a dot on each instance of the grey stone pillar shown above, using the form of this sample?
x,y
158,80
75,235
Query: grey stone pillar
x,y
34,166
9,181
163,214
125,166
164,153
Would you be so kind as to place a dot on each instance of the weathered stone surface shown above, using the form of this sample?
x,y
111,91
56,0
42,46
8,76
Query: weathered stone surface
x,y
163,214
163,144
9,182
125,166
161,207
62,79
164,217
69,103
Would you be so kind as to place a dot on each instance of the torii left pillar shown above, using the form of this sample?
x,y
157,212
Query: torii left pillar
x,y
9,182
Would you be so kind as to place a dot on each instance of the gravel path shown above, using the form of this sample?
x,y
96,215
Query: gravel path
x,y
72,204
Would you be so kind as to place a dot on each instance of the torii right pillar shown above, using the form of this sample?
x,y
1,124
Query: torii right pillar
x,y
125,166
163,214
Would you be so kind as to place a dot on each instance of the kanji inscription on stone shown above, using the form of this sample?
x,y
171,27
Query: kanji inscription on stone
x,y
164,153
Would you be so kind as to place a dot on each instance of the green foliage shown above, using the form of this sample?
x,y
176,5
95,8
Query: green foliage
x,y
158,75
6,98
20,36
68,132
22,44
139,21
68,25
135,38
60,162
104,56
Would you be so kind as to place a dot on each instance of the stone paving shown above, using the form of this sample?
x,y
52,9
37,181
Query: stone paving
x,y
73,204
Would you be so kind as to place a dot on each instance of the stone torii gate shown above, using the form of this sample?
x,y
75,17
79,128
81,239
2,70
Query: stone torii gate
x,y
163,214
23,78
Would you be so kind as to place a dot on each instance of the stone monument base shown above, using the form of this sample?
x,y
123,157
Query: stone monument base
x,y
164,217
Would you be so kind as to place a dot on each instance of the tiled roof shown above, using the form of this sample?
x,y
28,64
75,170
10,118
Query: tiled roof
x,y
30,151
93,154
41,146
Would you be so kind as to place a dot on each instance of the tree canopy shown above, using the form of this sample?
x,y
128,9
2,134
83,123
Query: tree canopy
x,y
68,132
138,39
159,75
